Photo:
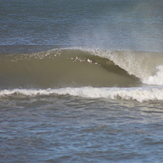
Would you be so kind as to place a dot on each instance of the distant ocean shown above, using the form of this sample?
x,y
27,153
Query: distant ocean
x,y
81,81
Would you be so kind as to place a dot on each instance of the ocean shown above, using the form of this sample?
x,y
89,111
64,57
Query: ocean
x,y
81,81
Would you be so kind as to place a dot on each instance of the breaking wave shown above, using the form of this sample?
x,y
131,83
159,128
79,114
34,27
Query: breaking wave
x,y
132,93
77,67
87,73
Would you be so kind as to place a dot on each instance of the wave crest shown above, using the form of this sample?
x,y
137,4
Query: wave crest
x,y
81,67
61,68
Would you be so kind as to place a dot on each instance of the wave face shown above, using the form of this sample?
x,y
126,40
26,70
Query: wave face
x,y
79,67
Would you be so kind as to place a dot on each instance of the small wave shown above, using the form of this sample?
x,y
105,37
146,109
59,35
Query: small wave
x,y
138,94
133,93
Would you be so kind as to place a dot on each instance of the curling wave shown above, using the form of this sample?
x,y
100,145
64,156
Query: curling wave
x,y
79,67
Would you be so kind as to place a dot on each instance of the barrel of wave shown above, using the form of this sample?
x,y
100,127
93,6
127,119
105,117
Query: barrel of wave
x,y
147,66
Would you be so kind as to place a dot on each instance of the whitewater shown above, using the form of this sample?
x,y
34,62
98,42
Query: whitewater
x,y
138,94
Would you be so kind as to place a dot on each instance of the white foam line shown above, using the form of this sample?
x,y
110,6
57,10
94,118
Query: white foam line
x,y
140,94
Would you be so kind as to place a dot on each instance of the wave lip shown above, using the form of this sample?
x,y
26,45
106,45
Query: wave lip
x,y
133,93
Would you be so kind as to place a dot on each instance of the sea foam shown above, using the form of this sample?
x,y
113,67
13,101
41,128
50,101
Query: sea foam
x,y
156,79
139,94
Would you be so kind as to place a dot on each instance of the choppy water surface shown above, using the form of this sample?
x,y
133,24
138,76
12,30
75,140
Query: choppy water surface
x,y
59,128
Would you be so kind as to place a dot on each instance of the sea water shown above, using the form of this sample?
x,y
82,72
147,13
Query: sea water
x,y
81,81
